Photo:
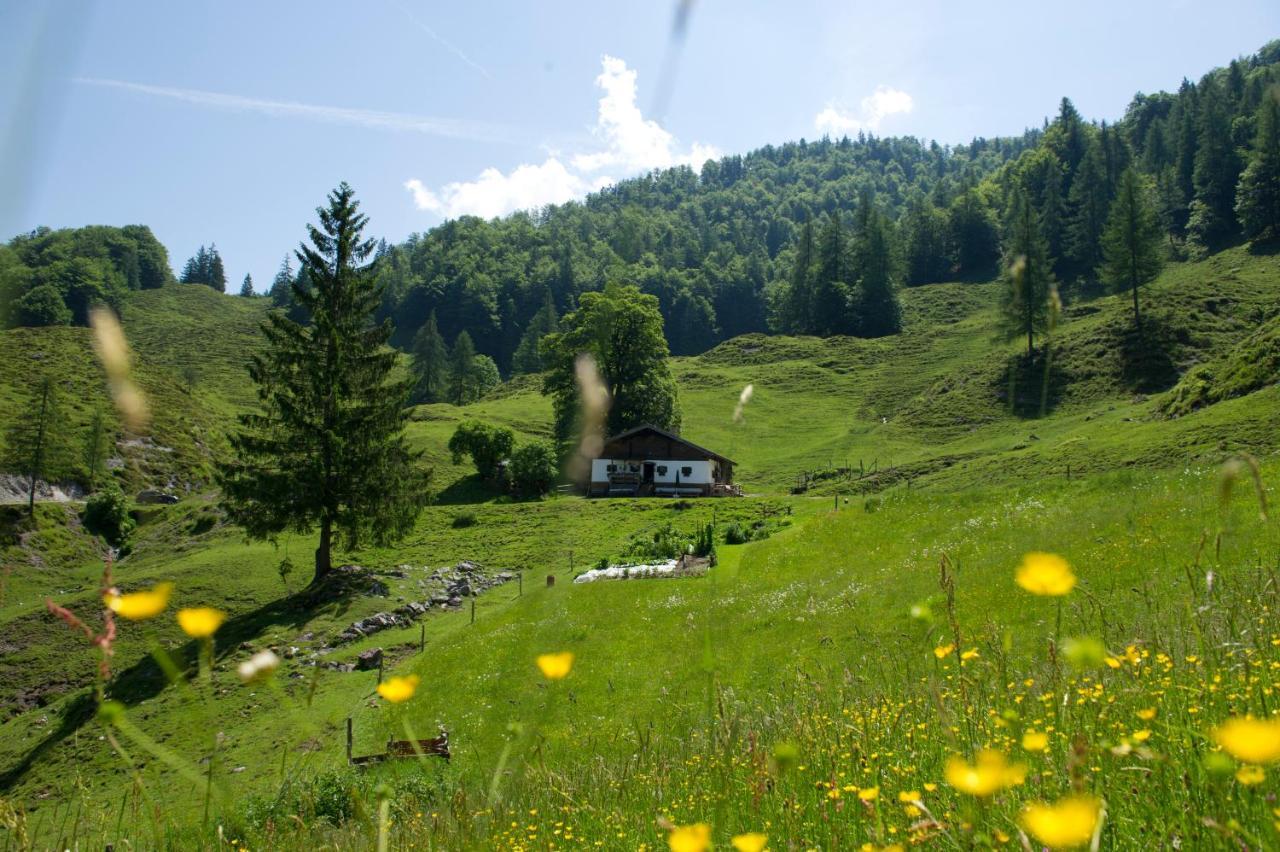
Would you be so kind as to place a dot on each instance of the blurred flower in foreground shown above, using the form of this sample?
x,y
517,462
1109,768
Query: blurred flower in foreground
x,y
201,622
139,606
690,838
1250,740
1086,652
1070,822
989,773
555,666
1045,574
743,399
113,352
260,665
398,689
752,841
1035,741
943,650
1249,775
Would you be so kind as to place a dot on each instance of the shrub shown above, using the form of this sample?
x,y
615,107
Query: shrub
x,y
42,305
465,519
735,534
487,445
533,468
106,513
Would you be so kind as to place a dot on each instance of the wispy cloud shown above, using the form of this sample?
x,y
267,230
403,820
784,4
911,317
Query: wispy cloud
x,y
624,143
449,128
875,107
442,41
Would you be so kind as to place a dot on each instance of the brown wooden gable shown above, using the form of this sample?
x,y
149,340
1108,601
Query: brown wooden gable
x,y
650,442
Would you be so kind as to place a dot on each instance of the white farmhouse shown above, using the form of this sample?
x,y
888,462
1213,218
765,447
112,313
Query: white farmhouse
x,y
648,461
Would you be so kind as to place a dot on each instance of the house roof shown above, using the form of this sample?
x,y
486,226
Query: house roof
x,y
649,427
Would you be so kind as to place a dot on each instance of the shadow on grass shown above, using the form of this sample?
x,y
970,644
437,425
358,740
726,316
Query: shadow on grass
x,y
1147,355
1033,384
470,489
145,679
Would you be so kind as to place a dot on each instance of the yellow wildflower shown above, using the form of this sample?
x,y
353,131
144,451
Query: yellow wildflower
x,y
1250,740
201,622
943,650
398,689
869,794
555,666
1045,574
139,606
1146,714
752,841
969,654
1035,741
1248,775
1070,822
909,796
989,773
688,838
1142,736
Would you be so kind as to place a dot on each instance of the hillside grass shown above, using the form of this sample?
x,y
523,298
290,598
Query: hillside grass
x,y
939,441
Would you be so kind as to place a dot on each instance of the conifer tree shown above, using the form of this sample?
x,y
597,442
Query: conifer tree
x,y
1217,170
1258,194
217,276
1131,242
974,234
430,362
97,444
528,355
925,238
797,309
1089,205
35,445
462,366
327,447
246,286
830,288
282,285
1028,279
876,308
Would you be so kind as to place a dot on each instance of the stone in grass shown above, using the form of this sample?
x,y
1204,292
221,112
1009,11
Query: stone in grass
x,y
368,660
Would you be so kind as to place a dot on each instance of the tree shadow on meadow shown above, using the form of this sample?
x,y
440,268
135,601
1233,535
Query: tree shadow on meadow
x,y
1031,386
469,489
1147,355
145,679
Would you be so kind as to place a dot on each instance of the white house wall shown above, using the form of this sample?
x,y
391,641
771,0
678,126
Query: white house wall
x,y
701,472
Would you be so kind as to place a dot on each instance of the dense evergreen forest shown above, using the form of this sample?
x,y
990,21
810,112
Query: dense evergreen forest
x,y
809,237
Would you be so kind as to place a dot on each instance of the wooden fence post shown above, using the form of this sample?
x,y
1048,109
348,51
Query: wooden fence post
x,y
520,578
348,739
473,609
380,659
422,640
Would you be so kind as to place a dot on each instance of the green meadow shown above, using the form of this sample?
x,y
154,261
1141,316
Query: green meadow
x,y
817,685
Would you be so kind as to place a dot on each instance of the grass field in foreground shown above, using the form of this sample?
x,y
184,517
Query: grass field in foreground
x,y
790,691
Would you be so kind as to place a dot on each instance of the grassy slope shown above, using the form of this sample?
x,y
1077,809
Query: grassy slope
x,y
920,404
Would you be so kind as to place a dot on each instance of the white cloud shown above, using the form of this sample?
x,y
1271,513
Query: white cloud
x,y
447,127
875,107
626,144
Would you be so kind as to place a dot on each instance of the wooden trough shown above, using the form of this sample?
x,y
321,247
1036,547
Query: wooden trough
x,y
401,749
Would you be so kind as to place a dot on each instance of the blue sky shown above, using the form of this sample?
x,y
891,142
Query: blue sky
x,y
228,122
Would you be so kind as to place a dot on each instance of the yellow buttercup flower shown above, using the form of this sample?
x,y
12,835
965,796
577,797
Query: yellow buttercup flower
x,y
988,774
869,794
1146,714
752,841
1142,736
1250,740
398,689
687,838
201,622
555,666
969,654
1045,574
909,796
1035,741
1069,822
1249,775
943,650
139,606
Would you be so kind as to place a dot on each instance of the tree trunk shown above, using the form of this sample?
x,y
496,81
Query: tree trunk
x,y
31,496
1137,316
324,558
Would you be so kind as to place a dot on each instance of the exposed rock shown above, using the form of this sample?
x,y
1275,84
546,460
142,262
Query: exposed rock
x,y
368,660
152,495
377,589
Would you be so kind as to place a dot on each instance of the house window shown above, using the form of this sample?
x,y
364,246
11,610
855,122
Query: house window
x,y
635,468
662,470
613,468
686,471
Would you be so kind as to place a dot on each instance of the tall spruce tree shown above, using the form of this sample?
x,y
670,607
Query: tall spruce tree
x,y
830,309
1131,242
246,286
327,447
462,368
430,362
282,285
528,355
925,238
797,308
35,444
1258,194
1089,203
975,237
1217,170
1028,277
877,309
217,277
